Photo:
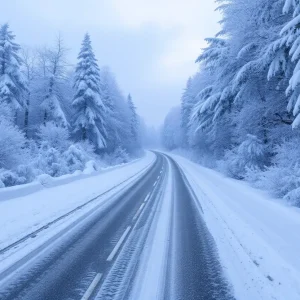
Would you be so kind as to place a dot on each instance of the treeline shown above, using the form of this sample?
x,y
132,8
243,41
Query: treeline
x,y
54,118
241,112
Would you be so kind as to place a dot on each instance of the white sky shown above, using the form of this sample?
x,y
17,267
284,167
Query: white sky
x,y
150,45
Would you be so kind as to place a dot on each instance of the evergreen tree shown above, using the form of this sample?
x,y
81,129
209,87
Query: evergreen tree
x,y
186,106
287,57
134,124
12,84
89,108
117,116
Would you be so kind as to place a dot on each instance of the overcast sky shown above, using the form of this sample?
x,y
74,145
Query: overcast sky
x,y
150,45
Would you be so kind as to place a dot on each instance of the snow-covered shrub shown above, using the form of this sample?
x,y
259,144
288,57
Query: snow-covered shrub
x,y
13,150
249,155
119,156
254,175
27,172
282,179
10,178
293,197
90,167
87,148
44,179
51,162
57,137
75,157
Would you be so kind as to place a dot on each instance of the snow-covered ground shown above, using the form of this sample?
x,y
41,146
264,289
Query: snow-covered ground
x,y
22,215
258,238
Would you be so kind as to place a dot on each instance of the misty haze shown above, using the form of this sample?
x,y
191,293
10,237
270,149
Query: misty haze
x,y
149,150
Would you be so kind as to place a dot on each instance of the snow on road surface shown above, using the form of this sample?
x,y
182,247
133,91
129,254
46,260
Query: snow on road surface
x,y
258,238
22,215
150,281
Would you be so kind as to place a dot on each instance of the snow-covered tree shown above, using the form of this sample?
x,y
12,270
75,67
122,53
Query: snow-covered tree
x,y
248,155
89,108
12,84
29,70
172,131
53,80
134,122
12,151
248,85
286,57
117,112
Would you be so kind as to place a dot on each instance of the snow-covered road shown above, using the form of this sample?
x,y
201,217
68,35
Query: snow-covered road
x,y
159,228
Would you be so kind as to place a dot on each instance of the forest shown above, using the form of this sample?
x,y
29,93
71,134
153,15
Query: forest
x,y
56,118
240,113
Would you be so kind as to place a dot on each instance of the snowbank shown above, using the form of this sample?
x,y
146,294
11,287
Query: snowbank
x,y
46,181
257,237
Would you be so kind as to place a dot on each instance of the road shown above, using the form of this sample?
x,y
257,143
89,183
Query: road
x,y
100,255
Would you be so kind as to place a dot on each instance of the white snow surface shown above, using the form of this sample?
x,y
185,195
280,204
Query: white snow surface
x,y
150,281
22,215
258,238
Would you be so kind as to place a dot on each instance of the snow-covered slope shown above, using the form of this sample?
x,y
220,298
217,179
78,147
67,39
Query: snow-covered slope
x,y
258,238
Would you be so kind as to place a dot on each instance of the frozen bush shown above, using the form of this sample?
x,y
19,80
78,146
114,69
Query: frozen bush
x,y
78,154
12,150
87,148
119,156
10,178
26,171
283,178
254,176
248,155
57,137
75,158
51,162
293,197
90,167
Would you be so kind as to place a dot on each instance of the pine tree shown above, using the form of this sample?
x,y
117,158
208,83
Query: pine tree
x,y
133,120
186,106
89,108
290,37
12,84
117,117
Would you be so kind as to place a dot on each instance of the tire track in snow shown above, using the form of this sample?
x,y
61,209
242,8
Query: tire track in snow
x,y
195,270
